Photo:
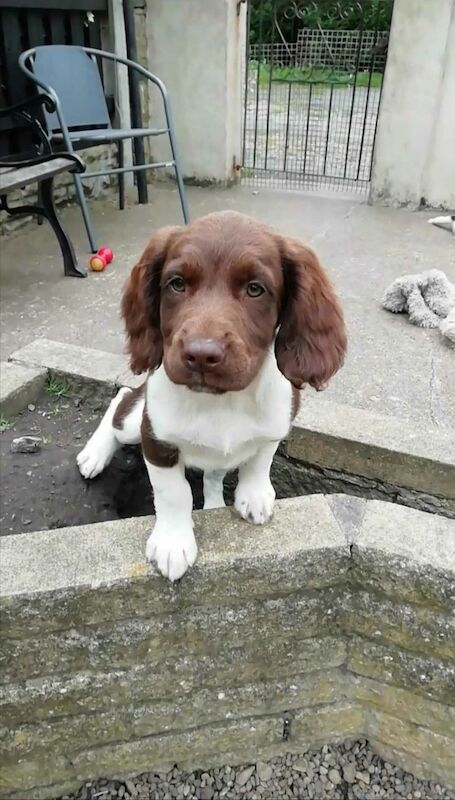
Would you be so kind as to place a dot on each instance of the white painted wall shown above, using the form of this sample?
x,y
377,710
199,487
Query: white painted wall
x,y
194,46
414,158
439,175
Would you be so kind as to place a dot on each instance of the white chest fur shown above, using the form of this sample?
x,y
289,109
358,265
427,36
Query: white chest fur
x,y
220,431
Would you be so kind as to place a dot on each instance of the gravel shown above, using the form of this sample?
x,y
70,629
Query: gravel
x,y
350,771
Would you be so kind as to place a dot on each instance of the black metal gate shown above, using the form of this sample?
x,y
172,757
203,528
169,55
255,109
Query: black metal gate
x,y
314,72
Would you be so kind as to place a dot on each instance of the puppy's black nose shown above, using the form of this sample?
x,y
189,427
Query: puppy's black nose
x,y
201,355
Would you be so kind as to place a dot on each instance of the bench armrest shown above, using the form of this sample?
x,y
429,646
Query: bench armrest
x,y
26,105
79,165
27,114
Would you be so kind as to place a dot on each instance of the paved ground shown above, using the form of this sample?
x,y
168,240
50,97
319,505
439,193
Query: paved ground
x,y
392,367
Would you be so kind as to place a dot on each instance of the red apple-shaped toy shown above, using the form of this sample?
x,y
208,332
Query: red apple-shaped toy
x,y
101,259
97,263
107,253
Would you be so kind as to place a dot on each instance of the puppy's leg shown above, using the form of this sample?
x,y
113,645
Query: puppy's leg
x,y
255,495
213,489
171,545
115,428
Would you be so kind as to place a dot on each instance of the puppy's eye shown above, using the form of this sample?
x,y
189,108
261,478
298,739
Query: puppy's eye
x,y
177,284
255,289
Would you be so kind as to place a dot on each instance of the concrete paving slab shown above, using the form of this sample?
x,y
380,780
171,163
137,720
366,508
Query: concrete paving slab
x,y
97,554
19,386
84,362
392,368
381,447
407,534
410,555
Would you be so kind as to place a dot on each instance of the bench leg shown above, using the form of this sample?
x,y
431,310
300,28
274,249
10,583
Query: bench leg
x,y
39,217
47,209
70,265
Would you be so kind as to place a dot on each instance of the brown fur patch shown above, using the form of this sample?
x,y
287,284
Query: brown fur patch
x,y
311,342
160,454
296,399
126,405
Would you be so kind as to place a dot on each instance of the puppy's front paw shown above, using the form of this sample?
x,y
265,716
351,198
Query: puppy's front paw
x,y
95,456
255,502
171,550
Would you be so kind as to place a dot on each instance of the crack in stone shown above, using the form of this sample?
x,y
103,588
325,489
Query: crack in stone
x,y
432,386
323,234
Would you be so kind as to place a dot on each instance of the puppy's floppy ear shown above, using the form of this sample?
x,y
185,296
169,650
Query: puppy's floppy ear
x,y
141,303
311,340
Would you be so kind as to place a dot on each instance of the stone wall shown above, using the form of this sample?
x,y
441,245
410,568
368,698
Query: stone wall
x,y
337,617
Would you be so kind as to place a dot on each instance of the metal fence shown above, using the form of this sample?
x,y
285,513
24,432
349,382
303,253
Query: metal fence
x,y
337,49
342,49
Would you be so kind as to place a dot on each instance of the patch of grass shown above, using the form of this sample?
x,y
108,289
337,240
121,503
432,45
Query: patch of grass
x,y
316,76
5,424
57,387
247,172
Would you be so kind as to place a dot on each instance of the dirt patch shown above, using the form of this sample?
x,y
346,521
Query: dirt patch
x,y
45,490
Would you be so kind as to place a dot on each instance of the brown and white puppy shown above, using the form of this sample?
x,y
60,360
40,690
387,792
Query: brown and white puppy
x,y
229,320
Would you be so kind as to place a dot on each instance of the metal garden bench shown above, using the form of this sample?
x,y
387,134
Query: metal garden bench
x,y
18,171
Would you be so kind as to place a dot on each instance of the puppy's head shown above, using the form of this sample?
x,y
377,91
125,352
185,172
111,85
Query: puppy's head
x,y
209,299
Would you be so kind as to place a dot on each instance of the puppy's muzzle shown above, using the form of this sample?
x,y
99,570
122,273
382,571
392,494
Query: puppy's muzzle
x,y
203,355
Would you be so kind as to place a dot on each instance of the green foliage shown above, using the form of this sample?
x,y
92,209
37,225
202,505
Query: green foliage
x,y
5,423
57,387
314,75
247,172
329,14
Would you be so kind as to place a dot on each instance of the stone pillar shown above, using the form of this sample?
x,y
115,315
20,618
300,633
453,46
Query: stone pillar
x,y
414,160
195,47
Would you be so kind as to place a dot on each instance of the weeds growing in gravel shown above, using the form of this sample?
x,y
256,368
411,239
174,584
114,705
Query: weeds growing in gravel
x,y
57,387
5,423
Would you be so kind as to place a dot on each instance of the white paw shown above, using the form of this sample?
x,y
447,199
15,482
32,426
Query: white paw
x,y
96,455
255,502
173,551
